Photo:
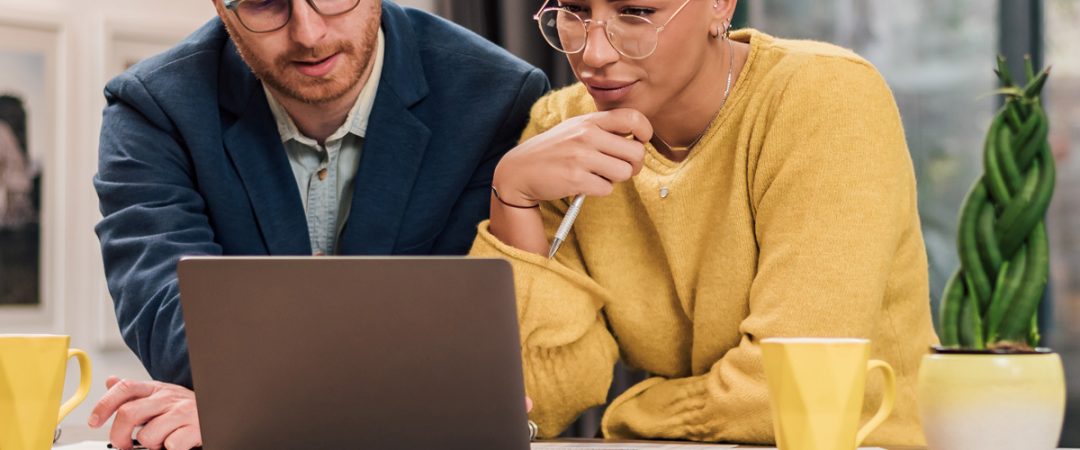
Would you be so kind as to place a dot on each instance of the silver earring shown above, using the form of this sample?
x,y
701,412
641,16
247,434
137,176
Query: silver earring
x,y
725,33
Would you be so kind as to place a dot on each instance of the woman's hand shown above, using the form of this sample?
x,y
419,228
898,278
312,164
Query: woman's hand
x,y
583,155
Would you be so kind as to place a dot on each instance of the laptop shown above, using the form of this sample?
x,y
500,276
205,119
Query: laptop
x,y
352,352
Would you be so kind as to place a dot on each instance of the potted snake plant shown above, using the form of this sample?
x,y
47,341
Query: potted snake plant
x,y
990,386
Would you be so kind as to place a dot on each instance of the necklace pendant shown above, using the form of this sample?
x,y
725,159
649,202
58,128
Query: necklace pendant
x,y
664,192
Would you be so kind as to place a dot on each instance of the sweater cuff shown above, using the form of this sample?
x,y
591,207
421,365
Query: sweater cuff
x,y
663,408
487,245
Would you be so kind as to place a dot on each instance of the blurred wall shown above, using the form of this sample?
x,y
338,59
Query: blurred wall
x,y
426,5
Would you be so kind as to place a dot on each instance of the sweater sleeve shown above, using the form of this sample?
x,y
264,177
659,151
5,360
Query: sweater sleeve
x,y
832,191
568,354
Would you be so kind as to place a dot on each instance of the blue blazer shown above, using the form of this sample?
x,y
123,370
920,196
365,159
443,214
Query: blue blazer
x,y
191,163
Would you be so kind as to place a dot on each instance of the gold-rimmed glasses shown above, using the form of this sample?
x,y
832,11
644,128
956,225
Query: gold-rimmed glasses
x,y
634,37
264,16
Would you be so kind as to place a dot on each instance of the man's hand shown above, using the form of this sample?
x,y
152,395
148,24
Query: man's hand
x,y
166,413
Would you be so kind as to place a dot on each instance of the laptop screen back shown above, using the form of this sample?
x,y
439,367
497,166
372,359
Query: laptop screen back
x,y
380,353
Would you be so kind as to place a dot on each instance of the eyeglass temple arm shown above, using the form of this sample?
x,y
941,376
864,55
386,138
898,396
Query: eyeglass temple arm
x,y
542,8
677,11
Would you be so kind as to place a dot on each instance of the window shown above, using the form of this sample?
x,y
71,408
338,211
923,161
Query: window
x,y
938,57
1062,98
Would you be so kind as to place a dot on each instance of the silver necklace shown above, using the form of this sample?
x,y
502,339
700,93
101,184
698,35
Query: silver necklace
x,y
664,189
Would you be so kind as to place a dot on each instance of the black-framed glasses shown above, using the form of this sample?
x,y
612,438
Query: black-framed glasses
x,y
264,16
634,37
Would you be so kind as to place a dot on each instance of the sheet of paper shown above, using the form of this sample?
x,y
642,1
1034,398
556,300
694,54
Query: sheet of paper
x,y
86,445
95,445
643,446
626,446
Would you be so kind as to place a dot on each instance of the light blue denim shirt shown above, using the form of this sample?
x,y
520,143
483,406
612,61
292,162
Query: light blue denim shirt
x,y
325,173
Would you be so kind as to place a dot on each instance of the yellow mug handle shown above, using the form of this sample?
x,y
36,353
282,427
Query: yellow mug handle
x,y
886,403
84,383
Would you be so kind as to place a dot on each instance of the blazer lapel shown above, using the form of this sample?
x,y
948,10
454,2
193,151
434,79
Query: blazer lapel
x,y
255,148
394,147
392,155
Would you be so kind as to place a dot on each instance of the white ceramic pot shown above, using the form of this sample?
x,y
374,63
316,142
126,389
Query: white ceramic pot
x,y
989,401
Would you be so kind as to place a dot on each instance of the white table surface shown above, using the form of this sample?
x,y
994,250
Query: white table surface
x,y
84,438
99,445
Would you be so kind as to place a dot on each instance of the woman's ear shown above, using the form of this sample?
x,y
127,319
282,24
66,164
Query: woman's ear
x,y
722,11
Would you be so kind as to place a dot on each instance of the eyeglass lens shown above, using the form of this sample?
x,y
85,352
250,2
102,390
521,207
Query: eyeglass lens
x,y
632,36
269,15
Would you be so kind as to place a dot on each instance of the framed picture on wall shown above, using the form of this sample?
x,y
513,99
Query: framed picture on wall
x,y
31,131
127,43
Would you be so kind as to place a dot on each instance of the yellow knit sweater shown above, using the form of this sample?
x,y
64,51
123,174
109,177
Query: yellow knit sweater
x,y
794,216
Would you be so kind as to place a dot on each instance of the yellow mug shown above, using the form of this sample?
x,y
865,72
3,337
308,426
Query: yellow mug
x,y
32,372
816,388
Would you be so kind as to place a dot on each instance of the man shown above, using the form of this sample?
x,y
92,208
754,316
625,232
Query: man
x,y
289,127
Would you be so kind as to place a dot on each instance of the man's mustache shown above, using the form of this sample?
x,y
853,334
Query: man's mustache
x,y
315,53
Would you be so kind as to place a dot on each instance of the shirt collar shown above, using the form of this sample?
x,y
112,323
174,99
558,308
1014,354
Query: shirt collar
x,y
355,123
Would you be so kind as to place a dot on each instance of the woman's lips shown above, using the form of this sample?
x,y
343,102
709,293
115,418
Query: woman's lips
x,y
609,92
319,68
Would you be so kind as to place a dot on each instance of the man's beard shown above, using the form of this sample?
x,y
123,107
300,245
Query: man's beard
x,y
281,75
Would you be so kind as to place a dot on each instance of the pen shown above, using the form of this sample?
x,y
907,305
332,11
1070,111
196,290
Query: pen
x,y
134,442
567,223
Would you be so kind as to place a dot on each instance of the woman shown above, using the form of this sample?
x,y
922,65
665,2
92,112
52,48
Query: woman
x,y
776,197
